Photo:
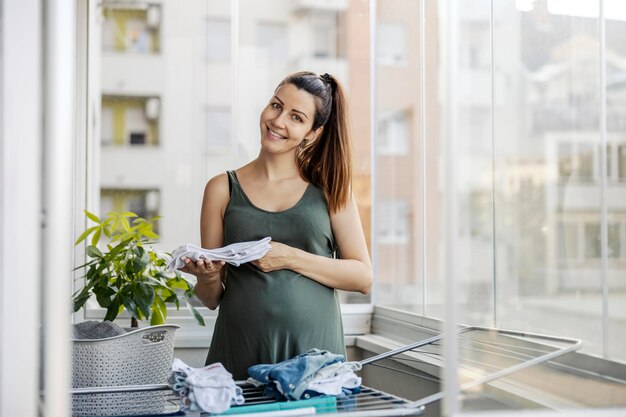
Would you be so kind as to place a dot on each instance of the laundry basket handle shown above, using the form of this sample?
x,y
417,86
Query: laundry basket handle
x,y
152,335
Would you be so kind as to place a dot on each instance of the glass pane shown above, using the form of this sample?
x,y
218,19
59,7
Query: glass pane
x,y
592,241
615,193
165,109
585,163
218,40
621,162
540,278
567,236
470,121
399,277
614,241
131,27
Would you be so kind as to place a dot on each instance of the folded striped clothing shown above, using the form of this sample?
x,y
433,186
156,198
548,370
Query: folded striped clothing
x,y
234,254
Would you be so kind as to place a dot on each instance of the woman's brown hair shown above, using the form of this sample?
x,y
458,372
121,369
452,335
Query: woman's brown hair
x,y
326,161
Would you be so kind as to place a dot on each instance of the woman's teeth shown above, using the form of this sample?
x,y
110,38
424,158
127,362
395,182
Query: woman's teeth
x,y
276,135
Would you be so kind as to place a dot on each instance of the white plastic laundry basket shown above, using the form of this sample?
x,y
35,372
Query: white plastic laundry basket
x,y
139,357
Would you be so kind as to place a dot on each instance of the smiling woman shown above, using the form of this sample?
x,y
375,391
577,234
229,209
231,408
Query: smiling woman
x,y
297,191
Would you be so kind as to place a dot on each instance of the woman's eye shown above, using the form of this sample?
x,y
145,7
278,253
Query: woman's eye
x,y
297,118
275,106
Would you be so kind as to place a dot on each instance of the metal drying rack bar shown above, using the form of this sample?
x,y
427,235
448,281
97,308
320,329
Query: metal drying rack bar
x,y
546,355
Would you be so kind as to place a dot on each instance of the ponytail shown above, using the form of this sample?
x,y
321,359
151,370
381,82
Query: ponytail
x,y
327,160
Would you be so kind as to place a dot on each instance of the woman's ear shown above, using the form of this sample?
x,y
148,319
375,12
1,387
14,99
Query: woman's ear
x,y
314,134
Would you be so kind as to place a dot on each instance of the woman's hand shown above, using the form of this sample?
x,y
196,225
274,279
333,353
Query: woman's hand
x,y
205,270
277,258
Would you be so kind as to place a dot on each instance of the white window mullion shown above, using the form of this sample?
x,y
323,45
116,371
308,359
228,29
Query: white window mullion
x,y
21,52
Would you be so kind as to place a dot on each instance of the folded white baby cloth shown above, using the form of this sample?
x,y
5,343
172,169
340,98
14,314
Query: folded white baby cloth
x,y
334,378
210,389
235,254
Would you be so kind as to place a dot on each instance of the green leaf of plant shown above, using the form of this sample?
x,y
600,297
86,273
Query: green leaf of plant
x,y
144,296
159,312
113,310
131,307
179,284
195,313
172,298
103,295
149,233
84,235
92,216
93,252
81,299
96,236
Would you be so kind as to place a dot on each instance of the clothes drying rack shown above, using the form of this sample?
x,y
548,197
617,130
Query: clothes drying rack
x,y
486,354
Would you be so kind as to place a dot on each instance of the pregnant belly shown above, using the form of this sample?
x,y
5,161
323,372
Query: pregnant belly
x,y
288,301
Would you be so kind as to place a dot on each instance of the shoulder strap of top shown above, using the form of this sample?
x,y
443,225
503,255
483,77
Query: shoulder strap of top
x,y
232,178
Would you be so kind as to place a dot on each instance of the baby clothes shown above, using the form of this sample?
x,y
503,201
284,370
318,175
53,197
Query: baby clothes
x,y
313,373
211,389
335,379
234,254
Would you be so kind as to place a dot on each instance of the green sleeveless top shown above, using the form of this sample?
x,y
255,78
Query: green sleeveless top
x,y
268,317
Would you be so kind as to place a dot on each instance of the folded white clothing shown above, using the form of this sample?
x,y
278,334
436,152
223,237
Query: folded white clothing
x,y
211,389
331,379
234,254
335,385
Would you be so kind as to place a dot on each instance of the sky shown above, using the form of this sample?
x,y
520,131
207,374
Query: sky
x,y
613,9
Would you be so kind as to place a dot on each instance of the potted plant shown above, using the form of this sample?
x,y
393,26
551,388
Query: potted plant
x,y
130,274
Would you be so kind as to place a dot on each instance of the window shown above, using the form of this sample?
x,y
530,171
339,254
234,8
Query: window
x,y
218,40
592,241
393,134
218,130
144,203
393,222
621,162
130,120
327,42
568,241
517,167
129,27
272,41
392,43
616,240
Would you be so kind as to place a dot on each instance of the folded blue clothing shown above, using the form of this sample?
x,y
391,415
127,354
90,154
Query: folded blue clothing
x,y
288,379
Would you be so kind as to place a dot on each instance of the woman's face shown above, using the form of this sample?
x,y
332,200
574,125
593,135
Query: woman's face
x,y
287,119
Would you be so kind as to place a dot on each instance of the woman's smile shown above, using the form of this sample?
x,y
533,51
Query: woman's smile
x,y
273,135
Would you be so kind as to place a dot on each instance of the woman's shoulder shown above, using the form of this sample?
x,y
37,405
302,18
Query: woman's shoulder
x,y
217,188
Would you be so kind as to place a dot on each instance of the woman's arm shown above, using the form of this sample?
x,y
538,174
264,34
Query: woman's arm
x,y
209,288
353,272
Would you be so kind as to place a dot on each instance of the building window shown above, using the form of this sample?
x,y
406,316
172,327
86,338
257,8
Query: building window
x,y
392,43
568,241
393,222
592,241
579,240
327,29
578,162
393,134
621,162
218,41
144,203
129,28
130,120
218,130
616,239
272,41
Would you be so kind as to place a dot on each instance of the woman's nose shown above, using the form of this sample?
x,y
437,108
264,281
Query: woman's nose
x,y
279,120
